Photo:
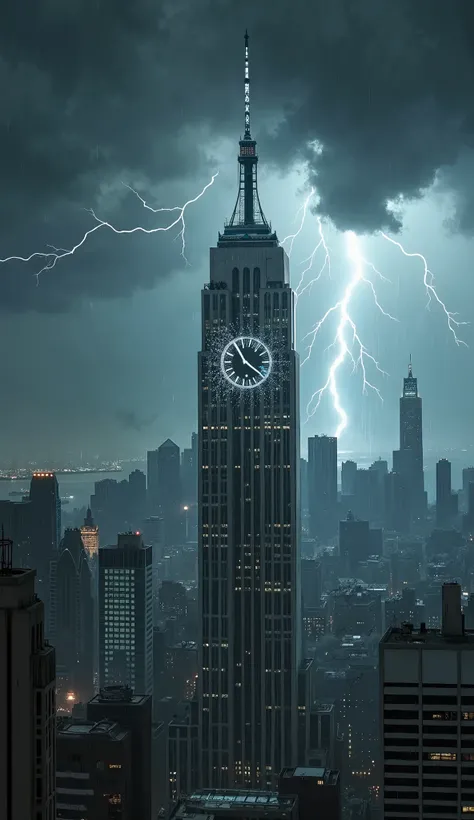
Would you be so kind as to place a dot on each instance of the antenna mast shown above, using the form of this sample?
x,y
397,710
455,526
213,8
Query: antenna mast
x,y
247,89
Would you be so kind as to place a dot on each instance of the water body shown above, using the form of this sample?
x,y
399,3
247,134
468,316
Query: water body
x,y
79,485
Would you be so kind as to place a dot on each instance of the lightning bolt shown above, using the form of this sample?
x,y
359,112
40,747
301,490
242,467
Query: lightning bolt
x,y
347,341
303,209
55,254
431,292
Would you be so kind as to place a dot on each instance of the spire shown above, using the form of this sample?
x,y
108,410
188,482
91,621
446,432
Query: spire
x,y
247,222
410,383
247,89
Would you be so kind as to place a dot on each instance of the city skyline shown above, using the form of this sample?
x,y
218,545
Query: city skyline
x,y
152,280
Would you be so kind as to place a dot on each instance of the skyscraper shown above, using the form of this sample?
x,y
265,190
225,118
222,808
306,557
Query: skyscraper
x,y
90,536
27,698
164,490
322,486
72,619
126,614
411,441
426,682
348,477
446,501
45,518
250,648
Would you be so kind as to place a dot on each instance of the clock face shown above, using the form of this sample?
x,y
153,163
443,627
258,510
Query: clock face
x,y
246,362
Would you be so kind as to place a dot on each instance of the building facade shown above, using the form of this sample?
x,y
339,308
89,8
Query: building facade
x,y
45,523
322,486
249,462
27,700
72,620
164,490
94,770
427,716
126,614
411,443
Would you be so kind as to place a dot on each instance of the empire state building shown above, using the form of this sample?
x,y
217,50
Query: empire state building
x,y
251,681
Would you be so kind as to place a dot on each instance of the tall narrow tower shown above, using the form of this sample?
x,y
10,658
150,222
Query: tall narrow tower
x,y
248,498
411,441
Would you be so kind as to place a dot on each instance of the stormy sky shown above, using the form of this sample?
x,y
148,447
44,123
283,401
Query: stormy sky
x,y
371,102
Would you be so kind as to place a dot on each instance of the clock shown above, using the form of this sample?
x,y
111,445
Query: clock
x,y
246,362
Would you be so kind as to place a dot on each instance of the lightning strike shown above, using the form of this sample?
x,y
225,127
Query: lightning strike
x,y
55,254
300,289
347,341
301,210
428,281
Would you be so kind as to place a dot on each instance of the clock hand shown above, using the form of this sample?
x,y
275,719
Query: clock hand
x,y
240,353
253,368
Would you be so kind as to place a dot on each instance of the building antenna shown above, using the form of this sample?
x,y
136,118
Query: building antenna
x,y
410,368
247,89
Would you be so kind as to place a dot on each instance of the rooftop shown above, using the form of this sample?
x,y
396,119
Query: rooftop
x,y
106,728
329,777
410,636
210,802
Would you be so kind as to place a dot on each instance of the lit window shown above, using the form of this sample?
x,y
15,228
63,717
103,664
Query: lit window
x,y
115,765
442,756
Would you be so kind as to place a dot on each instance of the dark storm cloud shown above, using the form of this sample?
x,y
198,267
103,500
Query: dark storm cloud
x,y
97,92
130,420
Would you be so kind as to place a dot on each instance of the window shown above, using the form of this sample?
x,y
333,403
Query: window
x,y
441,756
115,765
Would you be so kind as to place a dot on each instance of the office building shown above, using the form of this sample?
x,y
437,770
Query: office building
x,y
27,698
94,770
249,464
72,620
446,500
467,479
164,490
348,477
131,711
90,536
411,440
126,614
427,716
311,582
318,791
233,804
45,523
322,487
354,542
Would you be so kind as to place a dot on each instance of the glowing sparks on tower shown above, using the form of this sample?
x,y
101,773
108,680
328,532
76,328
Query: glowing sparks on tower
x,y
55,254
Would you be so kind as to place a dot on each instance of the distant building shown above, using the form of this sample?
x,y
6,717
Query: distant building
x,y
93,770
318,791
164,490
467,479
45,524
132,712
311,582
72,620
126,614
27,699
354,542
348,477
411,439
90,536
220,804
429,673
446,500
322,486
